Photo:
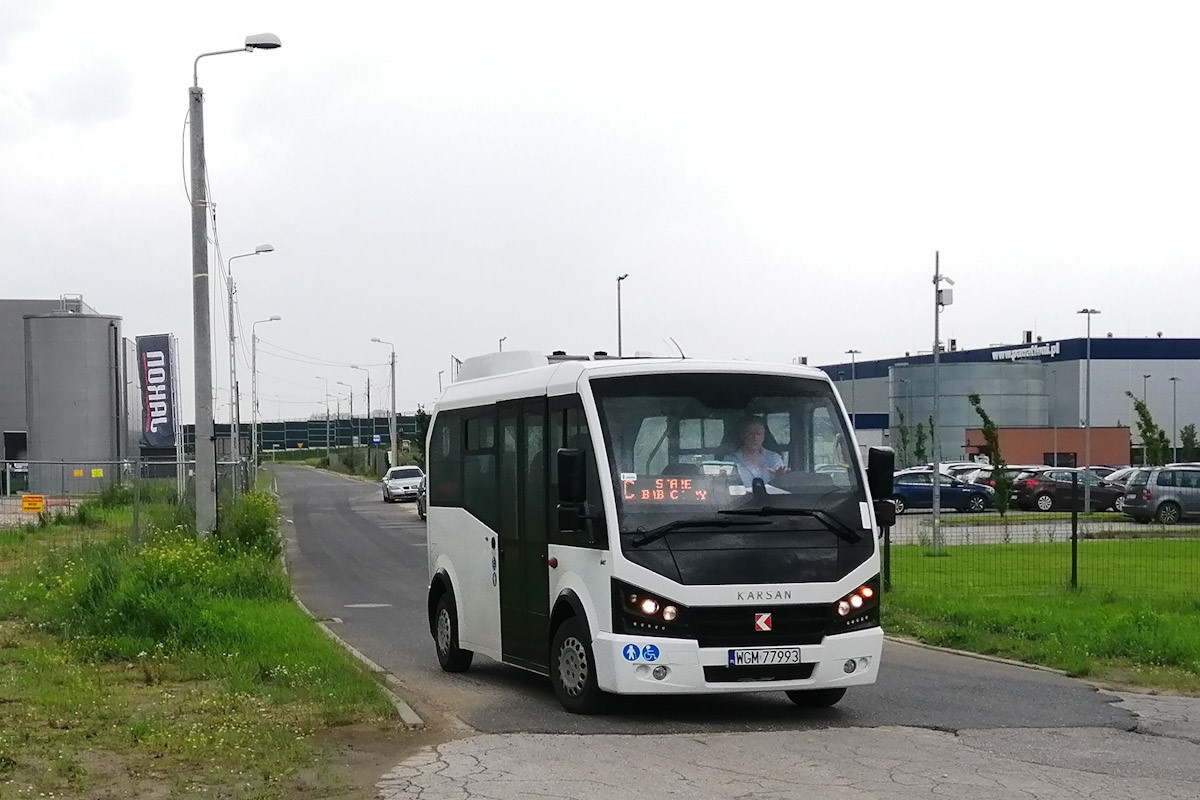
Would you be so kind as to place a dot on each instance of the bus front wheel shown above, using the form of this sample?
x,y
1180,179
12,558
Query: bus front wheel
x,y
816,698
573,669
445,636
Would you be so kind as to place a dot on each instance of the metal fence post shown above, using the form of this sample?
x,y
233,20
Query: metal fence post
x,y
1075,530
887,558
137,496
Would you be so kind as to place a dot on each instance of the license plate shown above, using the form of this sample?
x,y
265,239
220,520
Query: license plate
x,y
1131,497
764,657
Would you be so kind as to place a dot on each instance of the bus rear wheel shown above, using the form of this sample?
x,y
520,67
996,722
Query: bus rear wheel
x,y
445,637
816,698
573,669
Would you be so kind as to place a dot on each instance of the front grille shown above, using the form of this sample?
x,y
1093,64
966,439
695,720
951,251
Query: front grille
x,y
733,626
781,672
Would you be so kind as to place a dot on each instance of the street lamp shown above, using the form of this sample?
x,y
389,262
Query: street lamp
x,y
328,439
392,416
206,457
1053,416
1144,379
853,383
502,338
254,386
620,342
1174,418
235,400
1087,413
941,298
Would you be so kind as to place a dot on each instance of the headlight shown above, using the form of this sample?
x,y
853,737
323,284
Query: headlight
x,y
636,611
858,609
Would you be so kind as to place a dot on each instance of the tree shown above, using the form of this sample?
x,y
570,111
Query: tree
x,y
919,444
1002,479
1189,447
1156,445
903,433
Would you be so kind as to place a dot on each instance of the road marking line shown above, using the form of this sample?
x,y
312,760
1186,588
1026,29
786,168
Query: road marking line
x,y
367,605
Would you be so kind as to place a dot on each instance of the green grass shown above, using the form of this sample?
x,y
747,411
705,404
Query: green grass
x,y
176,664
1133,618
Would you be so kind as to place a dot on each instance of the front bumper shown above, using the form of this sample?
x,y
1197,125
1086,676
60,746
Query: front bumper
x,y
404,493
685,663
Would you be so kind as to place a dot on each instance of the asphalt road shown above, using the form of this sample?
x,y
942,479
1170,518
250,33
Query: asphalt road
x,y
361,563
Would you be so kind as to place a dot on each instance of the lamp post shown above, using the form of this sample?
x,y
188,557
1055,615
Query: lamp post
x,y
235,396
254,387
206,457
1053,416
368,373
853,383
327,437
620,342
502,338
941,298
392,416
1144,379
1174,418
1087,412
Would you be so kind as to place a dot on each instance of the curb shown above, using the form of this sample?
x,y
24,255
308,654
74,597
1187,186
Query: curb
x,y
1011,662
409,719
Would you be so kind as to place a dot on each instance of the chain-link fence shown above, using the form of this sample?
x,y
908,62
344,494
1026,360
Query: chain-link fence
x,y
49,505
1038,552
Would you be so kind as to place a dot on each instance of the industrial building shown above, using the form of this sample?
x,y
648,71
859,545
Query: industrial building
x,y
1038,387
69,397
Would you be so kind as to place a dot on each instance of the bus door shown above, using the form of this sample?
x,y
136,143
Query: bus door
x,y
522,552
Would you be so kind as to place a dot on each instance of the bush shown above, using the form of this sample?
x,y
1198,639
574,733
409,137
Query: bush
x,y
250,524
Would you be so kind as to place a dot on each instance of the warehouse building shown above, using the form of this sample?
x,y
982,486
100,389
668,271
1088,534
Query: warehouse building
x,y
1037,387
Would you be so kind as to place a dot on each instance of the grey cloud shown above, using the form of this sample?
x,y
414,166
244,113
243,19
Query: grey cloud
x,y
86,96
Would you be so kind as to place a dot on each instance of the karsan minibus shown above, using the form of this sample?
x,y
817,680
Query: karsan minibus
x,y
654,526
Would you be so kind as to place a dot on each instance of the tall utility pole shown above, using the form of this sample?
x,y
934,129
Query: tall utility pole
x,y
328,438
941,297
1144,379
501,344
620,342
1053,416
205,452
235,396
1174,418
372,433
853,393
254,438
351,389
1087,414
392,416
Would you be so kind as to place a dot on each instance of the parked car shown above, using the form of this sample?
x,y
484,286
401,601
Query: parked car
x,y
1055,488
988,478
915,490
422,500
1120,477
402,483
1163,494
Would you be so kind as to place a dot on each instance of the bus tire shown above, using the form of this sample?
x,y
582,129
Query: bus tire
x,y
573,669
451,657
816,698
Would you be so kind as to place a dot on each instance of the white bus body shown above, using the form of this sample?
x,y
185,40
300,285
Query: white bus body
x,y
766,585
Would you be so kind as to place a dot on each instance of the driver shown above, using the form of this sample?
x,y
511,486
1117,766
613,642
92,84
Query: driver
x,y
752,459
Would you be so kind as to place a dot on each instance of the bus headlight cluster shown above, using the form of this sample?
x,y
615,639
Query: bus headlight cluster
x,y
856,600
652,607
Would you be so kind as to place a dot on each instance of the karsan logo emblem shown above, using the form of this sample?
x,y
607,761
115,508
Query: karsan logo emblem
x,y
762,622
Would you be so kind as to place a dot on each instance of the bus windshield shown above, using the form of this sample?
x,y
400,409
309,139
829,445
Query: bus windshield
x,y
698,446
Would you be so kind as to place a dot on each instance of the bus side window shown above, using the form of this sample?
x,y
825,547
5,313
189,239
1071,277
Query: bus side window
x,y
479,468
568,428
445,465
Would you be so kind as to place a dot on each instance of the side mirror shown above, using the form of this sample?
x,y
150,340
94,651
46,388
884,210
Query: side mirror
x,y
881,470
885,513
572,476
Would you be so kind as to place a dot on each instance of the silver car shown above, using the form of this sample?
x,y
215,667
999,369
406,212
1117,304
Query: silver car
x,y
1163,494
402,483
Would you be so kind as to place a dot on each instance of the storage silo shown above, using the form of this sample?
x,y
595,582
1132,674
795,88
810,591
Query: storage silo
x,y
74,391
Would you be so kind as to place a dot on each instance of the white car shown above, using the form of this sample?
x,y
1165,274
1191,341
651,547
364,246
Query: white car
x,y
402,483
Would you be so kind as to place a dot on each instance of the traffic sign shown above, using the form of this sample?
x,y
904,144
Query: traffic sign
x,y
376,438
33,503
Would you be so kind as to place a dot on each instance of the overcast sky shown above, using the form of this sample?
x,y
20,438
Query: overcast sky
x,y
775,178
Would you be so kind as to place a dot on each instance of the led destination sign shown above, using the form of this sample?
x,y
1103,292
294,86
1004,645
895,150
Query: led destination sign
x,y
658,490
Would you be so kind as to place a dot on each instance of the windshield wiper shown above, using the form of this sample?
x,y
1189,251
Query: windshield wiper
x,y
844,531
647,536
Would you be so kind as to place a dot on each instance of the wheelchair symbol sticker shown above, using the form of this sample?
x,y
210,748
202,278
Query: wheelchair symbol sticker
x,y
650,652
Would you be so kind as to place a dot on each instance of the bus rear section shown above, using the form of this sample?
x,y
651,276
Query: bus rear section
x,y
641,527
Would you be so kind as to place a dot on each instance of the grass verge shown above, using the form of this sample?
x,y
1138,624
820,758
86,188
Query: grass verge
x,y
1020,518
176,666
1131,621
